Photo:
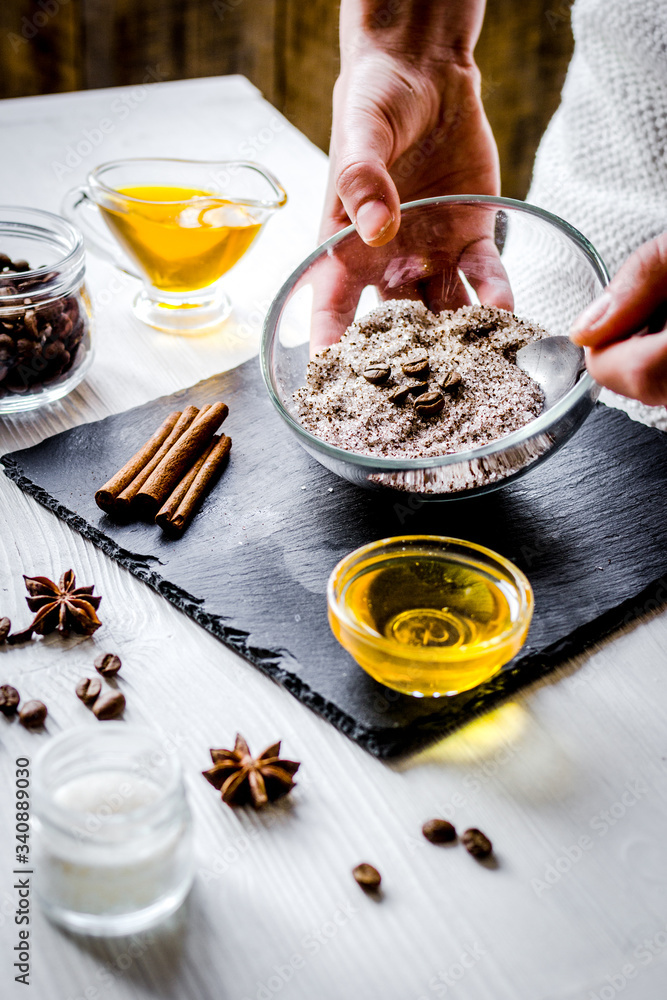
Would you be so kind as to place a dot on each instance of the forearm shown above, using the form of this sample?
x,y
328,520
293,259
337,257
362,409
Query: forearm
x,y
421,31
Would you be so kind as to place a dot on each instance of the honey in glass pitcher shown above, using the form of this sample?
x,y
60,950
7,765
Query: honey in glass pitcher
x,y
182,238
178,226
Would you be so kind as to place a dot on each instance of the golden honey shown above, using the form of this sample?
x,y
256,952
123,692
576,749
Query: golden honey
x,y
427,618
182,238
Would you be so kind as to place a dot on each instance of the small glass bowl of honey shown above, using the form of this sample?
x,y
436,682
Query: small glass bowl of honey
x,y
428,615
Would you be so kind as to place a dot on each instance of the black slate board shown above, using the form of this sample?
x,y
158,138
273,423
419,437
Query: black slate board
x,y
589,527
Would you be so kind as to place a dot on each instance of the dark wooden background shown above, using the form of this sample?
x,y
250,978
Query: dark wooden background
x,y
288,48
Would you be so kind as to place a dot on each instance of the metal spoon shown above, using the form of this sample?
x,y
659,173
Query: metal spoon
x,y
555,363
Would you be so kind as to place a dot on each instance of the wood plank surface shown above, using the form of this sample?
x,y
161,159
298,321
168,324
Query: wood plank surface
x,y
41,50
274,911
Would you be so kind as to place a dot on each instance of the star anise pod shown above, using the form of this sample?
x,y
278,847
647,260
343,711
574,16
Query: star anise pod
x,y
246,780
62,606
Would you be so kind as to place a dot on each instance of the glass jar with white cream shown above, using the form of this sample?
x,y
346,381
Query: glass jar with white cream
x,y
112,830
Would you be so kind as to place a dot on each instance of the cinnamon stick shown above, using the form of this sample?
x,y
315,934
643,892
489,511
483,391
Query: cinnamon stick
x,y
123,501
164,479
199,487
204,410
169,508
106,496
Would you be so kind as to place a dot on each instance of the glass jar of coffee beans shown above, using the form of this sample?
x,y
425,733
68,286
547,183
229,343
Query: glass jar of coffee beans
x,y
45,316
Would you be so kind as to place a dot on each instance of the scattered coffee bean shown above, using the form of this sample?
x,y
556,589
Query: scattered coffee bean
x,y
110,706
476,843
376,374
17,637
9,699
439,831
416,367
33,714
88,689
5,629
367,877
108,664
417,388
400,394
429,404
451,381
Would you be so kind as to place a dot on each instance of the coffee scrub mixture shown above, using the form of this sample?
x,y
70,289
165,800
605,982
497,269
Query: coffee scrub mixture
x,y
404,382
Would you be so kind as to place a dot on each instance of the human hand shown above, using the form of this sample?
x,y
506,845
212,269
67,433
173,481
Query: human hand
x,y
408,124
402,132
624,331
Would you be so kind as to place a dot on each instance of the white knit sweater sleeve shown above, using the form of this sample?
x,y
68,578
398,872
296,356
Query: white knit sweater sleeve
x,y
602,163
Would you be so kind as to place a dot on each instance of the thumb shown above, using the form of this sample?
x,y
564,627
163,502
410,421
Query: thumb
x,y
636,292
361,149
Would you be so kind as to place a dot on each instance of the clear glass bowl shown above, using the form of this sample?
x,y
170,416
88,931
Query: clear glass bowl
x,y
429,615
450,251
45,315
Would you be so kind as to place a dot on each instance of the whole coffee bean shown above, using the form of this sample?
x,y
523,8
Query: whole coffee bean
x,y
62,362
9,699
30,284
54,350
5,629
20,265
110,706
25,347
108,664
64,326
7,348
367,876
400,394
33,714
377,373
30,324
50,313
439,831
451,381
75,336
15,638
429,404
88,689
476,843
417,388
416,367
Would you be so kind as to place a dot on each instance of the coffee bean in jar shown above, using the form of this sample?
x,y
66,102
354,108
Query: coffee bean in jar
x,y
45,321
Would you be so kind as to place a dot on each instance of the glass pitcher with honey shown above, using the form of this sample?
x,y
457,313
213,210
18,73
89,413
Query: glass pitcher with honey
x,y
178,226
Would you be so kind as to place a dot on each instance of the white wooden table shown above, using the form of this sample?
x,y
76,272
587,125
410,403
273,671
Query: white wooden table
x,y
274,910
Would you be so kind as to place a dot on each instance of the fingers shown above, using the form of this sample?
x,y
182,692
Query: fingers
x,y
627,304
475,263
634,367
336,291
334,216
362,146
445,258
483,268
361,191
